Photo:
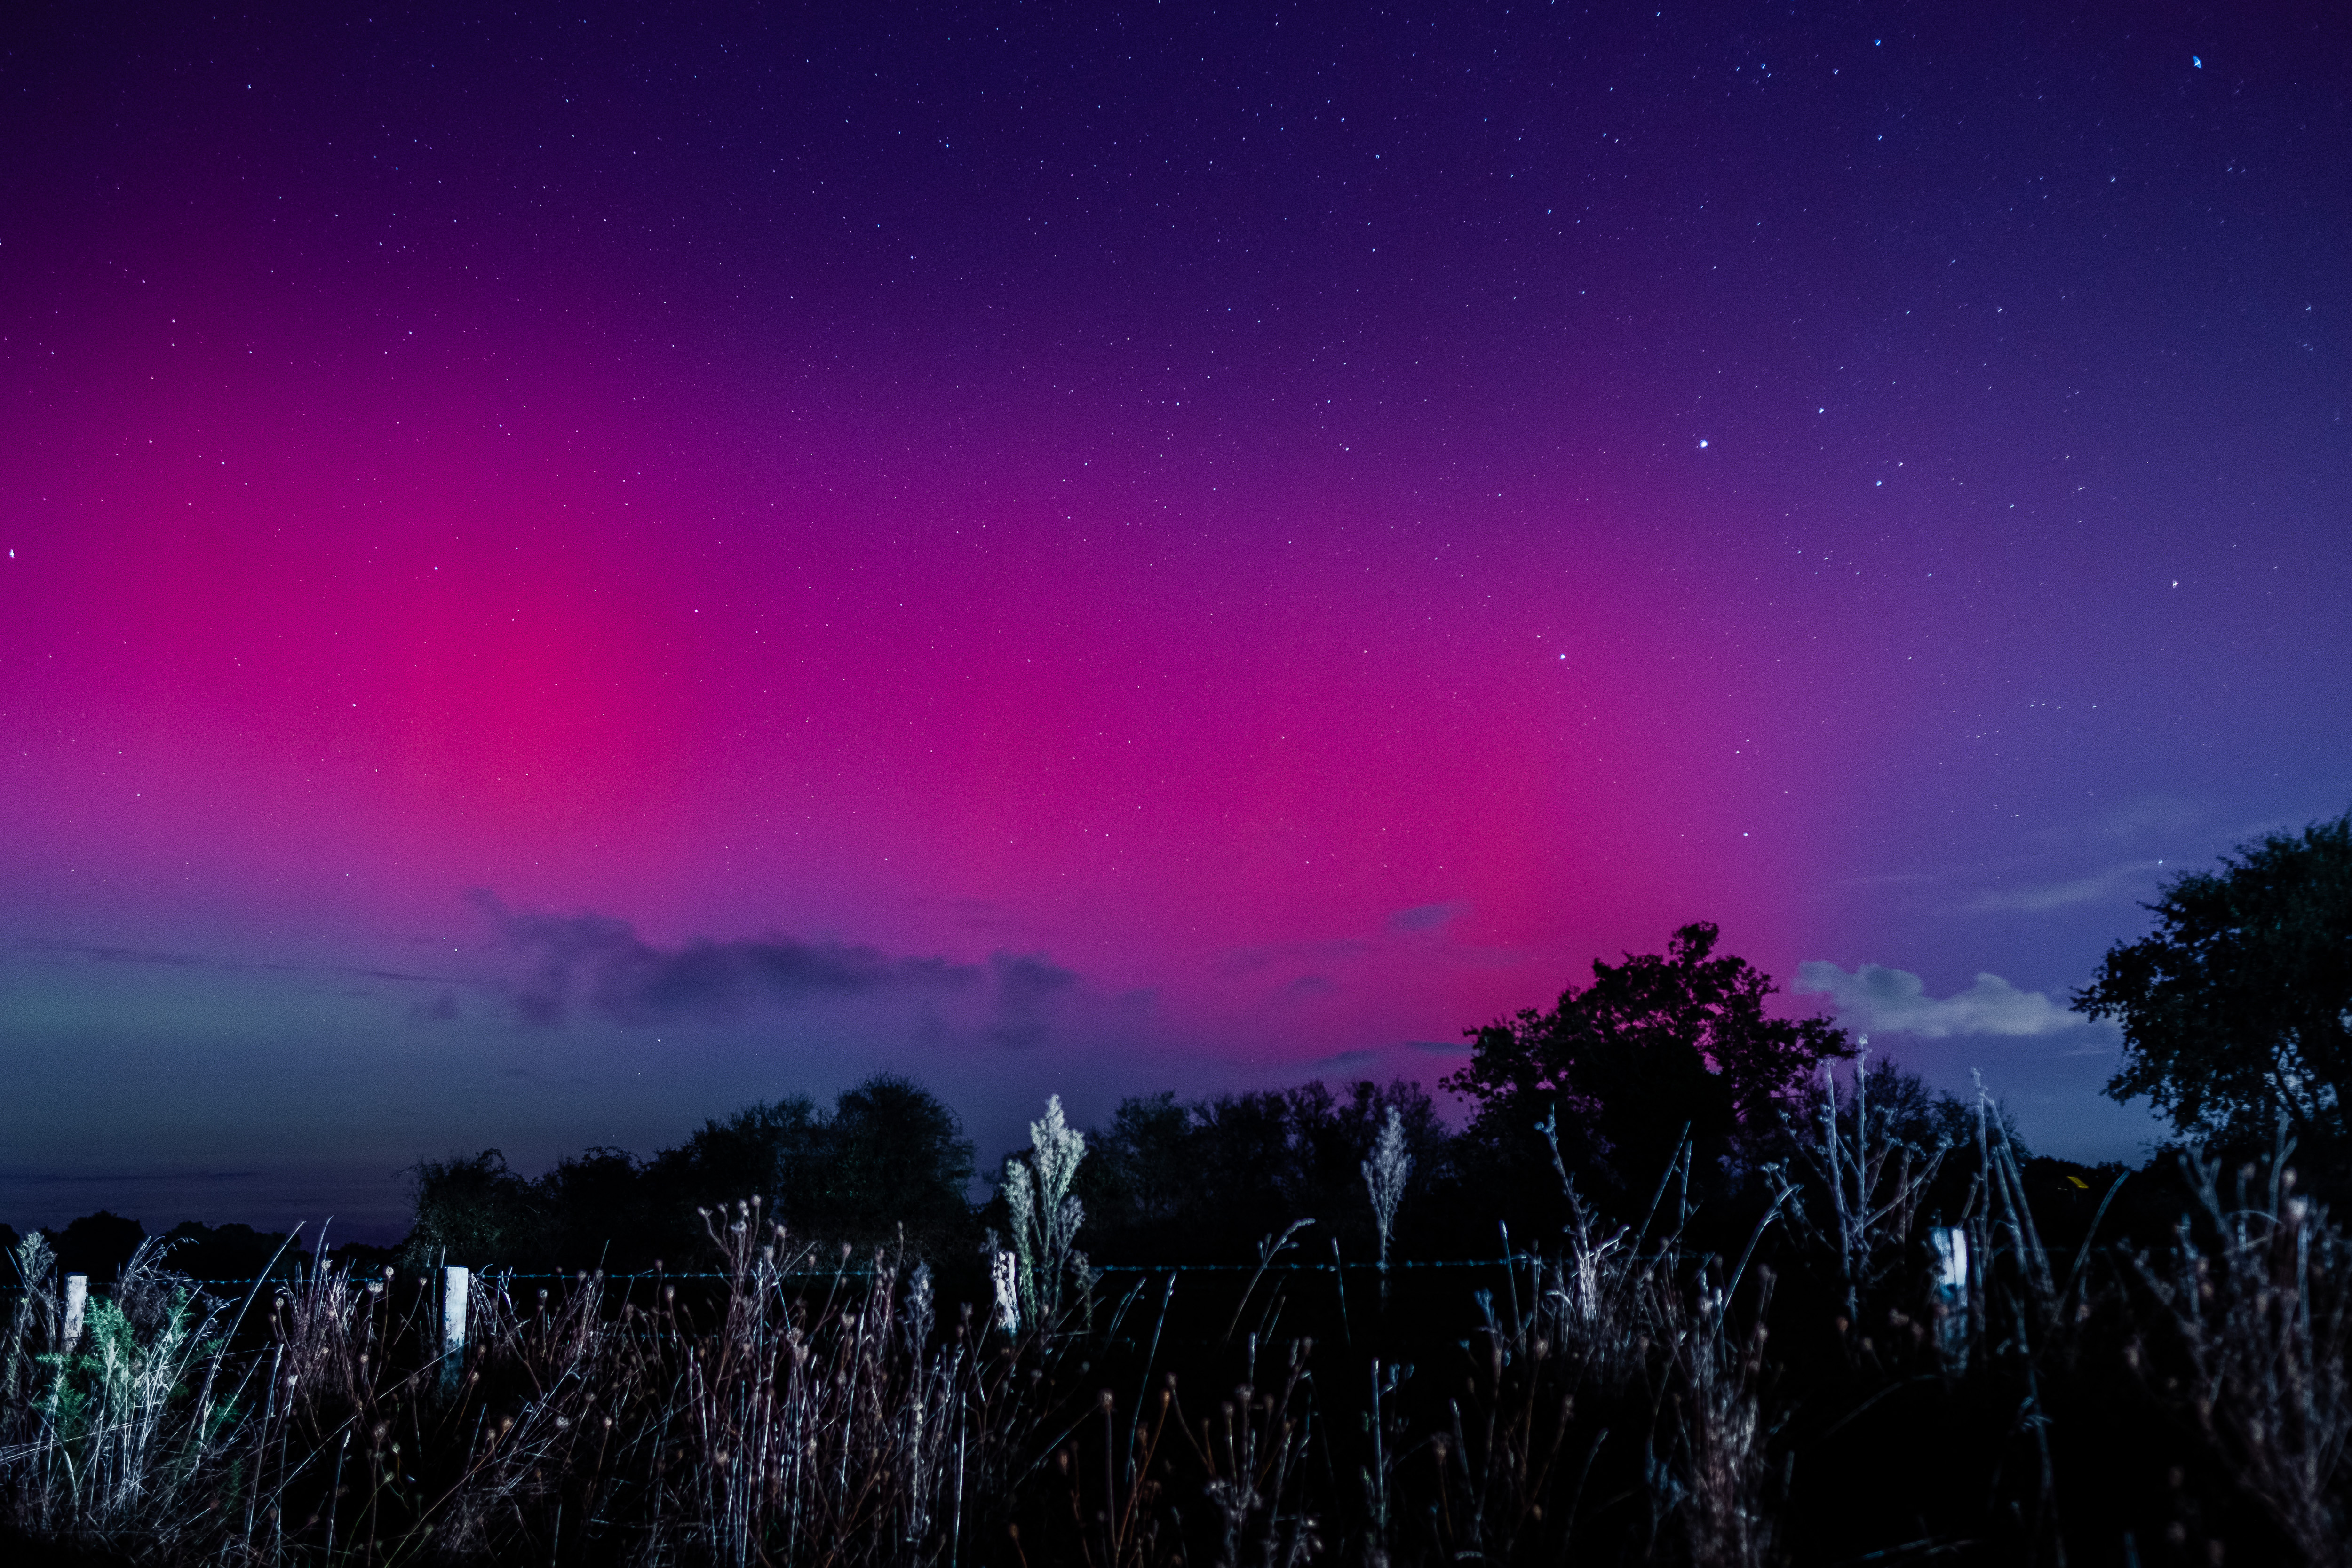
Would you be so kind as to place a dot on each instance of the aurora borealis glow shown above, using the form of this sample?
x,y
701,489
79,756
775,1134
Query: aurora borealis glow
x,y
570,571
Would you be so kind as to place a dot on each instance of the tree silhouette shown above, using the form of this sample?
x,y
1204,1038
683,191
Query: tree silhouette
x,y
890,1159
472,1210
98,1245
231,1252
1656,1049
896,1156
1168,1180
2238,1010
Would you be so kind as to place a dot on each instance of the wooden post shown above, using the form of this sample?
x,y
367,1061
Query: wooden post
x,y
76,1300
454,1282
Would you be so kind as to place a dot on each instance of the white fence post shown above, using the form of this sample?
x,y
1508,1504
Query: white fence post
x,y
454,1282
76,1300
1952,1291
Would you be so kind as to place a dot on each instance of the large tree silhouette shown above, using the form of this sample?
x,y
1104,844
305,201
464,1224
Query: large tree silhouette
x,y
2238,1010
1656,1048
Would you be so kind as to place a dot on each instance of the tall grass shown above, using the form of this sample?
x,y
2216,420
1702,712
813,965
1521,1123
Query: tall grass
x,y
787,1413
1621,1394
2250,1323
121,1431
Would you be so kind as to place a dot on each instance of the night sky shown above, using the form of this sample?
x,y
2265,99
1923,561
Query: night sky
x,y
569,571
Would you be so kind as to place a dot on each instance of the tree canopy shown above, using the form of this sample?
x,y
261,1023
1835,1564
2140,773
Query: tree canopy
x,y
2238,1009
890,1159
1655,1047
1210,1177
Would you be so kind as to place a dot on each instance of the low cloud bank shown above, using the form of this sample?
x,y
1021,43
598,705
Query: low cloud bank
x,y
600,965
1895,1002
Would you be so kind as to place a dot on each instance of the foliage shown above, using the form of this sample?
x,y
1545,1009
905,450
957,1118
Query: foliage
x,y
230,1252
897,1157
775,1149
1209,1177
471,1209
98,1245
1654,1051
1624,1395
2237,1011
890,1155
888,1161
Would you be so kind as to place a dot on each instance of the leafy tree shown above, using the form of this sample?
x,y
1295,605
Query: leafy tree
x,y
602,1212
1210,1178
897,1156
98,1245
890,1154
472,1210
889,1157
231,1252
773,1150
2238,1010
1655,1047
1139,1169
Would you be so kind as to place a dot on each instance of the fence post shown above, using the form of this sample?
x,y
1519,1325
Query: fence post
x,y
454,1282
77,1298
1951,1245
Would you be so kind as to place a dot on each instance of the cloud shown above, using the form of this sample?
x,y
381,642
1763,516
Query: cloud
x,y
1366,1057
1423,918
571,962
2100,885
2147,814
96,953
1895,1002
1029,986
601,963
1241,961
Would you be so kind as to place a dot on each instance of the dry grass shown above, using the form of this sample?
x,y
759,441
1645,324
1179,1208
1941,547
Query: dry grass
x,y
2250,1323
1619,1399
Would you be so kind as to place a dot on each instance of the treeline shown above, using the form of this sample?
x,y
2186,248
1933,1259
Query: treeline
x,y
1668,1070
1164,1181
98,1245
1666,1081
888,1162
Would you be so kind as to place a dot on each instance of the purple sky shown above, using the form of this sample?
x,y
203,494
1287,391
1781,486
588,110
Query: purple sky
x,y
569,572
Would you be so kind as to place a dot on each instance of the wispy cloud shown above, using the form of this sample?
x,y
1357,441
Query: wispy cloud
x,y
96,952
1424,918
1029,986
1400,1056
1895,1002
2099,886
1239,962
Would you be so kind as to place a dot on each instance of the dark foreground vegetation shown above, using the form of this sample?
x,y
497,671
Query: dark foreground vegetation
x,y
1684,1291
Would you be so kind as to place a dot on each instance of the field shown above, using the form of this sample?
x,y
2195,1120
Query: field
x,y
1846,1383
